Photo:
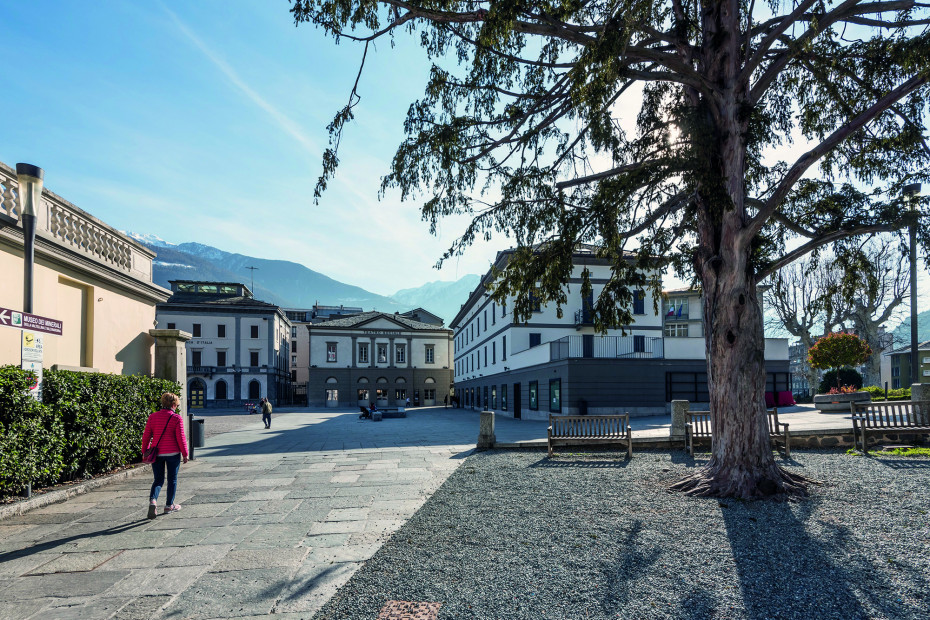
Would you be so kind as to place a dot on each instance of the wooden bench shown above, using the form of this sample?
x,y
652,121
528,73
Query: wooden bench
x,y
697,426
567,430
902,416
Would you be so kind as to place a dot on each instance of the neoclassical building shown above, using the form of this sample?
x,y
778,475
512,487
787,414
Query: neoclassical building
x,y
239,351
378,357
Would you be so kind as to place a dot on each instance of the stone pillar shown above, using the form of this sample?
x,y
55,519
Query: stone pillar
x,y
171,359
920,396
486,436
679,412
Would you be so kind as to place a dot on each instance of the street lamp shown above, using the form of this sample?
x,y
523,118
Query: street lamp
x,y
910,192
30,194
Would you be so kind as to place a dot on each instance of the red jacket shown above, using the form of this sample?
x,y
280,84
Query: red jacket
x,y
172,441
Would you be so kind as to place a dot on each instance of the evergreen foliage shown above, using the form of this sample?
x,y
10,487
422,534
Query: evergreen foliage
x,y
840,377
88,423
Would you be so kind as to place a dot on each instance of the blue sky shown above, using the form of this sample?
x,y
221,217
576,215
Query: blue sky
x,y
206,122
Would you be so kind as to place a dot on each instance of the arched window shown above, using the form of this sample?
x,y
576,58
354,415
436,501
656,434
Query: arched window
x,y
381,380
332,380
363,379
255,389
221,390
400,380
429,380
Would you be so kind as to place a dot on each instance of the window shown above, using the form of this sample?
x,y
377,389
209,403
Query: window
x,y
485,356
253,330
185,288
293,346
207,288
676,308
535,303
485,320
196,358
171,326
639,302
330,351
381,394
485,398
504,309
472,331
294,376
504,348
221,358
382,354
229,290
196,330
429,394
293,332
400,354
493,397
430,354
363,353
534,395
504,396
253,359
639,344
493,352
676,330
478,367
400,394
293,360
555,395
332,395
535,339
221,330
221,391
493,314
363,394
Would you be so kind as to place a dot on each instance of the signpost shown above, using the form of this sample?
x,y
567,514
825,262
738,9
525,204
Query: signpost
x,y
32,322
32,347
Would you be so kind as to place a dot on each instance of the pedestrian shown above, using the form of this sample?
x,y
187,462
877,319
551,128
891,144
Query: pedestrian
x,y
408,402
171,448
266,412
445,401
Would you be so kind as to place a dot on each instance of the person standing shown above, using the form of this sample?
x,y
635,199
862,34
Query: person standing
x,y
266,412
171,447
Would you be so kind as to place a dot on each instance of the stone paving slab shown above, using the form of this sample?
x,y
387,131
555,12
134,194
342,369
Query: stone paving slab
x,y
270,522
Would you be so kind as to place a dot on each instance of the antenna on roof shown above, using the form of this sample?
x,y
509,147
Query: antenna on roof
x,y
252,269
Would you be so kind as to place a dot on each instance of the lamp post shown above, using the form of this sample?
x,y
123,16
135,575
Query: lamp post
x,y
30,194
910,192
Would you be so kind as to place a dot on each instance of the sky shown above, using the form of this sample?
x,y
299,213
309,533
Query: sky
x,y
206,121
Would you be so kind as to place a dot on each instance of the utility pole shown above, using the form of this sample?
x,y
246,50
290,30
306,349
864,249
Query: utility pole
x,y
252,269
910,193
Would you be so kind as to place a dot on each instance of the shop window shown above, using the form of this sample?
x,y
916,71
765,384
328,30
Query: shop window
x,y
534,395
363,394
493,397
555,395
485,398
504,397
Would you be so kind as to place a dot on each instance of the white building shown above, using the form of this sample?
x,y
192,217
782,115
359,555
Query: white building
x,y
560,365
240,346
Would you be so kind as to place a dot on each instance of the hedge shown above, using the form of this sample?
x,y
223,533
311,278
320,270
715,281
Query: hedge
x,y
878,393
88,423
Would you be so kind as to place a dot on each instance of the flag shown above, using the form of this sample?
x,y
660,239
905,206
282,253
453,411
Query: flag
x,y
671,309
680,307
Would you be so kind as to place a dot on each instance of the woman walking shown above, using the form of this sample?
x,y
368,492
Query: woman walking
x,y
164,430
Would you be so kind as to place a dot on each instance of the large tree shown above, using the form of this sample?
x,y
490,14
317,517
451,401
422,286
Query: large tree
x,y
527,125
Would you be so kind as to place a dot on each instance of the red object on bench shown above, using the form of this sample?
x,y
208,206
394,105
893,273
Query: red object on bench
x,y
785,398
769,399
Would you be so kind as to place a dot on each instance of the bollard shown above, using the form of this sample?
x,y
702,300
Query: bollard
x,y
486,436
679,412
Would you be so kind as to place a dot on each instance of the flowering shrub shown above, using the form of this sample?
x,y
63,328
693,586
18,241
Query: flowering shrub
x,y
846,389
838,350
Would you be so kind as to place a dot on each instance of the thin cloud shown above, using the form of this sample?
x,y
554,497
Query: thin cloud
x,y
289,126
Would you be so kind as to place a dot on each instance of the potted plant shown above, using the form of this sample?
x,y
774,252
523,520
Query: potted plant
x,y
835,351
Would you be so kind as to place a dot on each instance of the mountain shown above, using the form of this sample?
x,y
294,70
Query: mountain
x,y
292,285
441,298
902,333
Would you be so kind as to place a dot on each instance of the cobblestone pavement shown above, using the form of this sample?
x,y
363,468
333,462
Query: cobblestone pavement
x,y
273,521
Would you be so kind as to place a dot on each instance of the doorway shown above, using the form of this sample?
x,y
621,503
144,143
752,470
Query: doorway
x,y
196,394
516,401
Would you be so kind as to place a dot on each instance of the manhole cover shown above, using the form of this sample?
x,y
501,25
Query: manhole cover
x,y
409,610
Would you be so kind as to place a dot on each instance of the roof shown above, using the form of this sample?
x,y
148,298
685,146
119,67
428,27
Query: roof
x,y
359,321
921,346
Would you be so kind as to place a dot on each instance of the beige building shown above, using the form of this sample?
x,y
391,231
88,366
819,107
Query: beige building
x,y
89,276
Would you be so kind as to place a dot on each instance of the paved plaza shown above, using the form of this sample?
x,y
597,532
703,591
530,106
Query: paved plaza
x,y
273,521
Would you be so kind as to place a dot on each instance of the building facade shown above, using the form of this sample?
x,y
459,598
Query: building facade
x,y
378,357
93,279
240,349
561,365
896,366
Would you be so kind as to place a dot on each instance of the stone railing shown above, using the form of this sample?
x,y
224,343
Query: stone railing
x,y
67,226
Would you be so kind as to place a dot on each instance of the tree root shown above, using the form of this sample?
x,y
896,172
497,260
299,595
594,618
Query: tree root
x,y
771,482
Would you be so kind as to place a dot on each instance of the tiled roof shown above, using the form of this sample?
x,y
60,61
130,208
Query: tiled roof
x,y
357,320
218,300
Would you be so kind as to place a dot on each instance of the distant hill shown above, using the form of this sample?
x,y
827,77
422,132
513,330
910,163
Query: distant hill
x,y
902,333
292,285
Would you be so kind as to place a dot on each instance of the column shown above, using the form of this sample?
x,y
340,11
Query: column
x,y
171,359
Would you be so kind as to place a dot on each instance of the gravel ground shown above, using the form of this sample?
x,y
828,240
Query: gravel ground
x,y
590,535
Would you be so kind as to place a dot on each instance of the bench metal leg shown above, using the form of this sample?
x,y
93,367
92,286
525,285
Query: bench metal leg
x,y
629,443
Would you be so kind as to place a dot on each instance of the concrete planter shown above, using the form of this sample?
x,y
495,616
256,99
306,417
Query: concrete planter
x,y
840,402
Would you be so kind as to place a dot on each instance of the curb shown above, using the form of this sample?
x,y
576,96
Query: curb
x,y
60,495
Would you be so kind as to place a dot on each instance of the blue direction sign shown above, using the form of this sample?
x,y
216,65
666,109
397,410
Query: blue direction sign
x,y
31,322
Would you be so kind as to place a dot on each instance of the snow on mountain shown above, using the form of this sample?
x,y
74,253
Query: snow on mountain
x,y
149,239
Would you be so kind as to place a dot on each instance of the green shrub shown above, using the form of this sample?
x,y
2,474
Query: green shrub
x,y
878,393
88,423
848,376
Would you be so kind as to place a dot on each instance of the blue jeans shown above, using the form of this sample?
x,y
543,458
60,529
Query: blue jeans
x,y
172,463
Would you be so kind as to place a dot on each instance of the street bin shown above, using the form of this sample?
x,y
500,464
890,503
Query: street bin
x,y
198,438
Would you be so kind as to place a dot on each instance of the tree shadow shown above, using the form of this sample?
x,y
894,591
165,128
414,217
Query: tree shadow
x,y
573,462
52,544
784,571
902,463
